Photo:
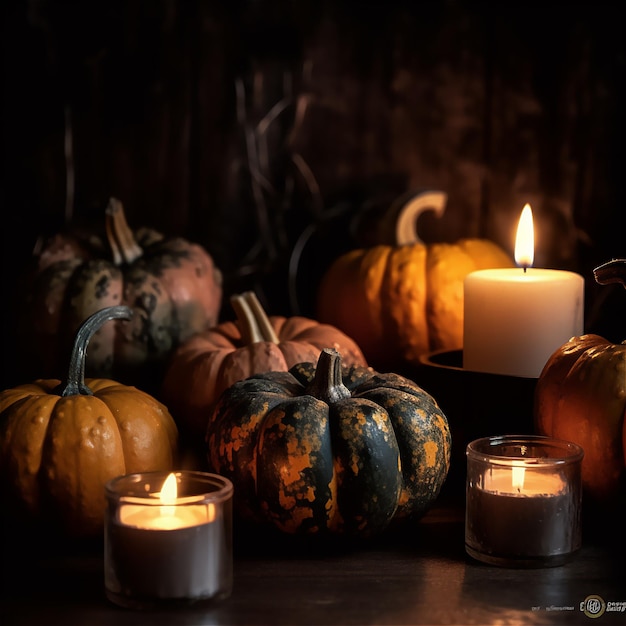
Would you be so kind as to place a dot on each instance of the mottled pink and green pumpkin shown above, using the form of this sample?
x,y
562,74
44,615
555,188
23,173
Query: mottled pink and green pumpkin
x,y
171,284
327,450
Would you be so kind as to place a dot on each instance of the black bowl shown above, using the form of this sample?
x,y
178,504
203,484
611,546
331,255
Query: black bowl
x,y
476,404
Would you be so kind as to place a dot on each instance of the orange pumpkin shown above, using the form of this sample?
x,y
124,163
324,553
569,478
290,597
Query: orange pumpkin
x,y
581,397
211,361
404,300
60,444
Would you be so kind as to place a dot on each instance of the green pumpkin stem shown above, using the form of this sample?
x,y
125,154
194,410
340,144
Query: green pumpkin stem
x,y
75,384
254,324
121,240
327,384
613,271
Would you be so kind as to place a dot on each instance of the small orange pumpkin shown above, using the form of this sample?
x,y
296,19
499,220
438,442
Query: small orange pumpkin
x,y
60,444
211,361
403,300
581,397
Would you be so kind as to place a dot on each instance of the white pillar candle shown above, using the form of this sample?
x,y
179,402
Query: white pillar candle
x,y
515,318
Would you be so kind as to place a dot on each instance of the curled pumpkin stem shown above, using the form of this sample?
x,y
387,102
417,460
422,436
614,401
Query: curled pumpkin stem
x,y
613,271
406,211
75,384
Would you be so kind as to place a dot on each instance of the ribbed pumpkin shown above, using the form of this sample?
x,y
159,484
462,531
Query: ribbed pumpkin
x,y
403,300
581,397
329,451
209,362
172,286
60,444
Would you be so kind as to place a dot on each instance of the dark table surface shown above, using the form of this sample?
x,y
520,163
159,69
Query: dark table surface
x,y
417,574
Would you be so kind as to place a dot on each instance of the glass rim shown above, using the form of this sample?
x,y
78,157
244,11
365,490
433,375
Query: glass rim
x,y
221,491
480,449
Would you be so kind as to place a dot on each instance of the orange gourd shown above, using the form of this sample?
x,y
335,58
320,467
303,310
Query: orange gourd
x,y
581,397
60,443
400,301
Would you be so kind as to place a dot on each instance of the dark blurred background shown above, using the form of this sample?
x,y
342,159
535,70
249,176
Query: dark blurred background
x,y
271,131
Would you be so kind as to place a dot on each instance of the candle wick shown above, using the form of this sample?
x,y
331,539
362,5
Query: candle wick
x,y
525,267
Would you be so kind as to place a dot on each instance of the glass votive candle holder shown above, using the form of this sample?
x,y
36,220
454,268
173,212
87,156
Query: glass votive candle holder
x,y
523,500
168,539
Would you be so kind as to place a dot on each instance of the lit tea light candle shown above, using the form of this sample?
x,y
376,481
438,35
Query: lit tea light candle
x,y
523,500
172,512
515,318
162,547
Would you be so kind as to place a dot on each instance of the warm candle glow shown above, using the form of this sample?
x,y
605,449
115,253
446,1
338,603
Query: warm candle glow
x,y
167,537
168,495
525,239
522,500
172,512
517,477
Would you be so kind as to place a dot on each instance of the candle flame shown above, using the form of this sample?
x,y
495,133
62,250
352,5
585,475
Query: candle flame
x,y
525,239
517,477
168,495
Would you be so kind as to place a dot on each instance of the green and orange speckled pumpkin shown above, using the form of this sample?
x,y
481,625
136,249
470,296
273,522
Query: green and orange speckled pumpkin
x,y
172,286
327,451
60,444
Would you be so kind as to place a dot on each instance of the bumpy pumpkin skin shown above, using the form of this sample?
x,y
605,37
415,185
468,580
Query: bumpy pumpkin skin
x,y
57,453
211,361
172,285
581,397
399,302
345,466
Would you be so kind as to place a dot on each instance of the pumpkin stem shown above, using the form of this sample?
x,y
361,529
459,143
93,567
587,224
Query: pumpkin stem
x,y
75,384
254,324
613,271
327,384
122,242
405,213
